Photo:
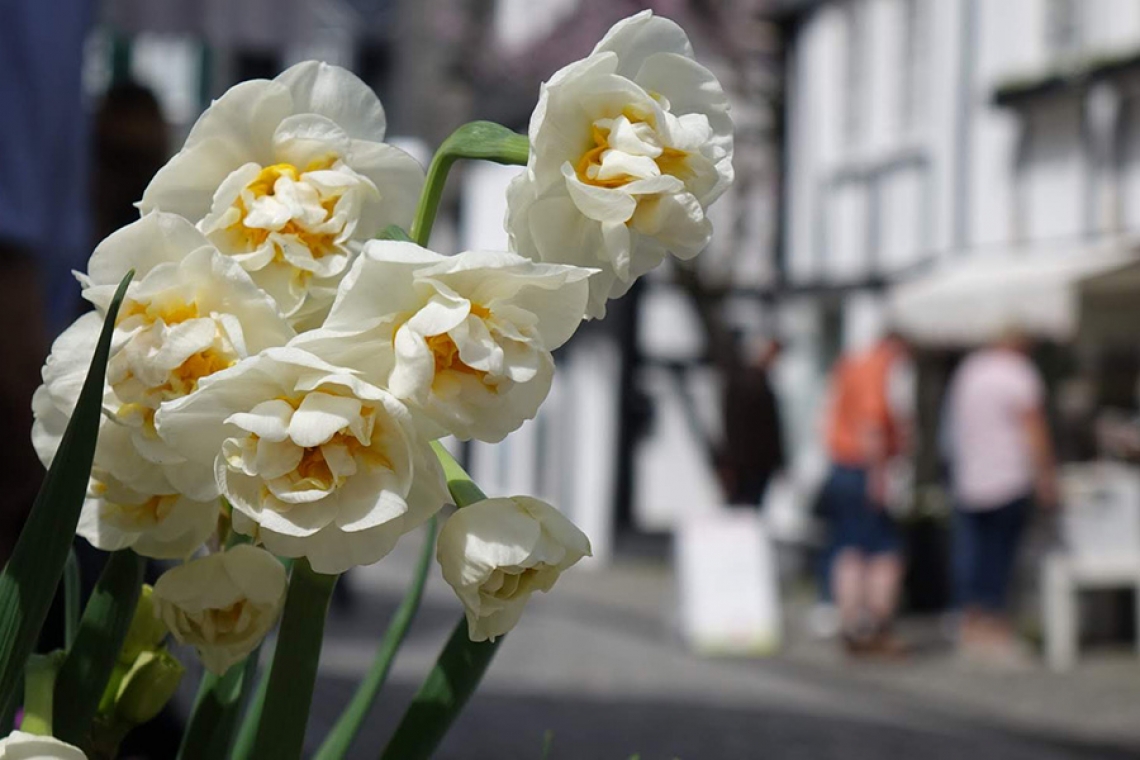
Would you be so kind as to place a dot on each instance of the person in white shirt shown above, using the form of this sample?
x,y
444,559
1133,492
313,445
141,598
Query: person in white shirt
x,y
1001,465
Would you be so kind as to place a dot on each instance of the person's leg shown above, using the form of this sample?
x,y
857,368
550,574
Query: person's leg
x,y
884,579
1004,538
966,571
847,583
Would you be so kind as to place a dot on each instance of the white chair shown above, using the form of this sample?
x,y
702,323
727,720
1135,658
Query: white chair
x,y
1100,531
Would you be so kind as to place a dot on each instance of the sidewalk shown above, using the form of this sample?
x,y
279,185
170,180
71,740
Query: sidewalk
x,y
598,662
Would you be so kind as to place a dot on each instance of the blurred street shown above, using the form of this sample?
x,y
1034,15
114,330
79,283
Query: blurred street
x,y
600,665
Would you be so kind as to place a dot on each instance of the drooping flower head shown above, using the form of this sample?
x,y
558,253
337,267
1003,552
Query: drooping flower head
x,y
222,604
465,339
289,176
316,462
497,552
629,146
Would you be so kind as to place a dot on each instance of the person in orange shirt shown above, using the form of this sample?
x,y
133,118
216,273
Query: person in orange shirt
x,y
868,427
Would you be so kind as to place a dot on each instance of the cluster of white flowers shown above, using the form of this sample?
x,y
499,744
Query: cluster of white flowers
x,y
275,364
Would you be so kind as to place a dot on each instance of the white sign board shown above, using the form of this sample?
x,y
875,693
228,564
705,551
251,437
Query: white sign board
x,y
730,598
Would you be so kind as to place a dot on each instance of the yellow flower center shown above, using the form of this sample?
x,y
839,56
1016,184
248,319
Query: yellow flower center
x,y
151,512
671,161
318,243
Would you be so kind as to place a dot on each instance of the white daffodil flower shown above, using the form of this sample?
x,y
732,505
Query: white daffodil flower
x,y
222,604
628,147
495,553
465,339
149,516
19,745
189,312
319,463
289,176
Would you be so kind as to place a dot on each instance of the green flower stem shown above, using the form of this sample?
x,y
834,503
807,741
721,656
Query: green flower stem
x,y
72,589
29,581
459,483
243,743
442,696
483,140
340,738
281,731
90,662
460,666
214,717
39,692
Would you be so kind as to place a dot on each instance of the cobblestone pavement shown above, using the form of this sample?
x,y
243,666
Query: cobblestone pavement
x,y
598,664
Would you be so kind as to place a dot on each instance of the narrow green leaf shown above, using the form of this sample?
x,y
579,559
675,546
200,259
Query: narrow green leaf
x,y
72,591
547,744
32,575
442,696
214,717
281,731
89,663
459,483
341,736
460,665
481,140
243,743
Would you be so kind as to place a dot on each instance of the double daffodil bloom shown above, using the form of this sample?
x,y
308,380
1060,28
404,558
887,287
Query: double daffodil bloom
x,y
629,146
288,177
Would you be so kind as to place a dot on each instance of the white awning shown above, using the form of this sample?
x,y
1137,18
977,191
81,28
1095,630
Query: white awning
x,y
972,299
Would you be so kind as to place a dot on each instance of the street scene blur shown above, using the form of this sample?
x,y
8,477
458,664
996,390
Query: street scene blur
x,y
862,480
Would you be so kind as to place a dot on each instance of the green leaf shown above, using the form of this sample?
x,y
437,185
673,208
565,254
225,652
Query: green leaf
x,y
86,670
339,739
32,575
481,140
247,734
442,696
460,665
214,718
72,591
459,483
281,730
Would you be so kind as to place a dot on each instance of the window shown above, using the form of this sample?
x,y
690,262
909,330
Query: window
x,y
1062,28
912,69
853,71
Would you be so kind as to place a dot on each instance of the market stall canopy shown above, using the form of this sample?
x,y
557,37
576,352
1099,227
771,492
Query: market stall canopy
x,y
1110,305
970,300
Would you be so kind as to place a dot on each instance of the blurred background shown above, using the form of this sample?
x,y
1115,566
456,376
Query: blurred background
x,y
944,174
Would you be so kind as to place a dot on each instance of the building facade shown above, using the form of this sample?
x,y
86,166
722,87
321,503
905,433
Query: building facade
x,y
935,136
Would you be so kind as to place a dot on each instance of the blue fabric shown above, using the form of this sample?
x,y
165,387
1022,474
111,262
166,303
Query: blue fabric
x,y
984,550
858,524
44,141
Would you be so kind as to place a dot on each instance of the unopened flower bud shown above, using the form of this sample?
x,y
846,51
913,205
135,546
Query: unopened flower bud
x,y
147,687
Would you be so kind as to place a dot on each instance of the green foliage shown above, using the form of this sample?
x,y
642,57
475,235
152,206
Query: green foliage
x,y
87,669
337,743
441,698
33,573
214,717
458,669
281,730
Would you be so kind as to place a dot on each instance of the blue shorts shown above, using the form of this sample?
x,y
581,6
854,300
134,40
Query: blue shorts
x,y
858,524
985,548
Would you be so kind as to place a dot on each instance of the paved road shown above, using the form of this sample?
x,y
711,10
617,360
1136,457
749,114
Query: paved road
x,y
596,663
